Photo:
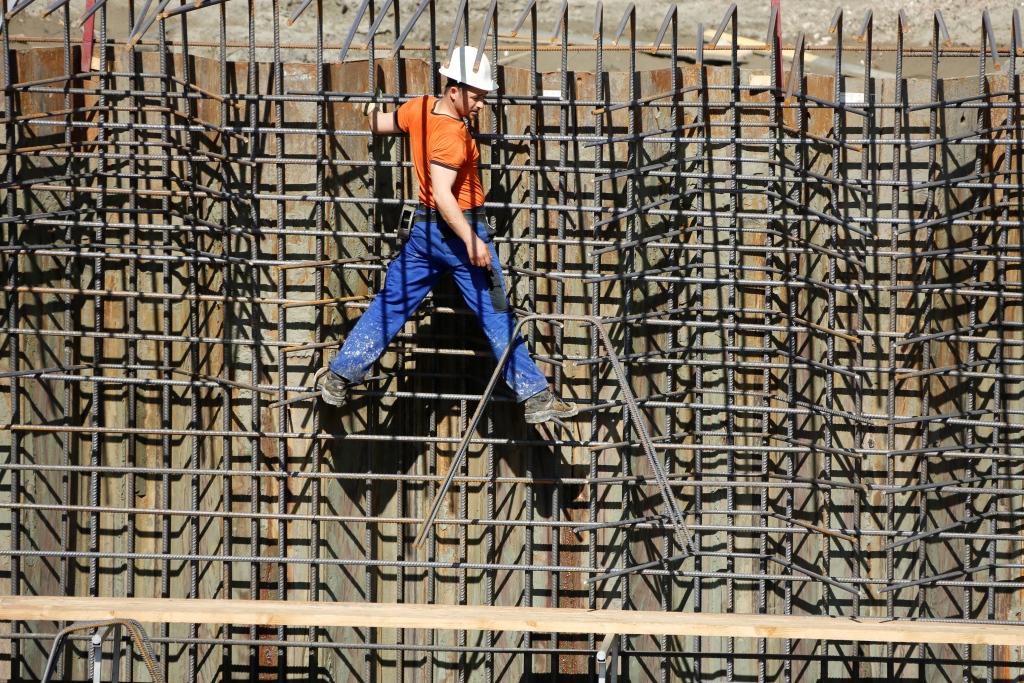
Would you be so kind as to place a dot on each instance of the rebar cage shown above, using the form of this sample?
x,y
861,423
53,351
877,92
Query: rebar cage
x,y
812,283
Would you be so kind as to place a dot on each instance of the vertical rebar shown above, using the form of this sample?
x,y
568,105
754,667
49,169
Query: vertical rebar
x,y
703,170
13,305
775,157
227,215
770,272
317,360
255,325
593,494
898,114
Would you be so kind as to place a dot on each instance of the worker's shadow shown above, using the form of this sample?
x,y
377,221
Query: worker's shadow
x,y
414,427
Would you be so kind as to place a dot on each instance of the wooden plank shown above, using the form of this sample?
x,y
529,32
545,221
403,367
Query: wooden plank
x,y
478,618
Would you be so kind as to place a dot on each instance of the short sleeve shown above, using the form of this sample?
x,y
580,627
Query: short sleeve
x,y
405,114
447,148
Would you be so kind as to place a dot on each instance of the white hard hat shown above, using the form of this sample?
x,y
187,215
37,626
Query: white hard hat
x,y
460,68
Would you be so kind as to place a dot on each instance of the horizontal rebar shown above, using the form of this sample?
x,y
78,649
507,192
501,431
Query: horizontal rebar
x,y
787,305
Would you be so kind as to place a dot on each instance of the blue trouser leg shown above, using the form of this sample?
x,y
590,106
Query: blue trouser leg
x,y
426,256
409,278
520,372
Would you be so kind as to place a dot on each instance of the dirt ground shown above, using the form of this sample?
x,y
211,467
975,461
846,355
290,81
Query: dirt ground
x,y
963,19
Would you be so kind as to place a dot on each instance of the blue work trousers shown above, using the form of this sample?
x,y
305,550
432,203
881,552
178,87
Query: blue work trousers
x,y
427,255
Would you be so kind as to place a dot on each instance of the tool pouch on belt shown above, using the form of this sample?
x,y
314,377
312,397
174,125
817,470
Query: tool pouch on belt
x,y
405,223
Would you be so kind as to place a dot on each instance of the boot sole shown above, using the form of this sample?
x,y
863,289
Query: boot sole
x,y
545,416
328,398
332,401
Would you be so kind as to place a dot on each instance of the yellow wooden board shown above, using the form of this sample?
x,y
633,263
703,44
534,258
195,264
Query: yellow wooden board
x,y
481,618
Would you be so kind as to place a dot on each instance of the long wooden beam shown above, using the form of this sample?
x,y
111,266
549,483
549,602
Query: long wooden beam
x,y
482,618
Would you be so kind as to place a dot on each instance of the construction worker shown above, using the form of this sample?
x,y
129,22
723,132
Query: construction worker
x,y
449,234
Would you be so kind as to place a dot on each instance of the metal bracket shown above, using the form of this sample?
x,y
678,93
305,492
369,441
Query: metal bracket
x,y
102,630
607,659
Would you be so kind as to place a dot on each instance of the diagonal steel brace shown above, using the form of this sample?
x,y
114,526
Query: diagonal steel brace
x,y
675,519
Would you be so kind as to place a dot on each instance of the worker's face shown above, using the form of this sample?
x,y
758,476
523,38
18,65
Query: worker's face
x,y
468,101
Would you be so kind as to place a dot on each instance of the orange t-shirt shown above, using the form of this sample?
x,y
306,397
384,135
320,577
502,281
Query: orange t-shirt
x,y
443,140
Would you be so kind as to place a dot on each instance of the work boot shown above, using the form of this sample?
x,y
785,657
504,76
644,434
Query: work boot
x,y
334,389
545,405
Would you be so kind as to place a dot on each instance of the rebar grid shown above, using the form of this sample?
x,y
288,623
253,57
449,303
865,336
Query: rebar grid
x,y
811,281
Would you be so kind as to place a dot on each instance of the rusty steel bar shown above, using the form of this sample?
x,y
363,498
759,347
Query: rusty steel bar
x,y
796,267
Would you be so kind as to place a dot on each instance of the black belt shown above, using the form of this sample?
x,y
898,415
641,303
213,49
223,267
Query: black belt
x,y
431,214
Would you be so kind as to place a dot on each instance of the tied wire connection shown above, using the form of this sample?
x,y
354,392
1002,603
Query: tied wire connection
x,y
824,380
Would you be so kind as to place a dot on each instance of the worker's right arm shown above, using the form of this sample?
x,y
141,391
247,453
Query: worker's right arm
x,y
383,122
441,180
